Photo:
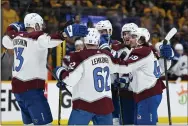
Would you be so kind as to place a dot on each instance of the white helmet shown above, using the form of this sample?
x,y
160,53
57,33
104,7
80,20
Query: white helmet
x,y
32,19
141,32
78,42
101,25
93,37
129,27
178,46
145,33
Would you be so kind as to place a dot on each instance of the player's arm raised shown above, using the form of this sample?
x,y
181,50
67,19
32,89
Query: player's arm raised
x,y
11,32
136,60
166,51
52,40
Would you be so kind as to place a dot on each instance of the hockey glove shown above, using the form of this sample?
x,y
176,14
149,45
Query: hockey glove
x,y
166,52
104,41
17,26
59,71
123,82
76,30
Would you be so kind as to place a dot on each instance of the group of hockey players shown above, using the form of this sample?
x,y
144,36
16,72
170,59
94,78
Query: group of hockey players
x,y
112,82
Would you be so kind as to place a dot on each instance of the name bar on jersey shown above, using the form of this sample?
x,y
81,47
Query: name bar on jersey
x,y
100,60
20,42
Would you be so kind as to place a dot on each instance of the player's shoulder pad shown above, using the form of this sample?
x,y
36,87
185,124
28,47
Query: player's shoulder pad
x,y
118,46
154,51
141,52
12,34
86,53
106,52
32,35
75,60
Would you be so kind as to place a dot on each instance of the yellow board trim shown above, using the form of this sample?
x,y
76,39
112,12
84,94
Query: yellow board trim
x,y
174,120
162,120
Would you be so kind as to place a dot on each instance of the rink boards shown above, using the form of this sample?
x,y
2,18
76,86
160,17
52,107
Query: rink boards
x,y
10,112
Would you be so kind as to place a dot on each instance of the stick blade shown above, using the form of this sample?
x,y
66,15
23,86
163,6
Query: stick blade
x,y
171,33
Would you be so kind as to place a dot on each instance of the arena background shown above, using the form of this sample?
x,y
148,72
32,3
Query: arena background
x,y
159,16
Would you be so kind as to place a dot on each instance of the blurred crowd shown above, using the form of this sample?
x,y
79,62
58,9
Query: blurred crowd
x,y
158,16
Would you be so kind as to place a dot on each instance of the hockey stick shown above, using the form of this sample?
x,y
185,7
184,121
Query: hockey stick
x,y
122,56
60,95
58,80
120,105
170,34
70,22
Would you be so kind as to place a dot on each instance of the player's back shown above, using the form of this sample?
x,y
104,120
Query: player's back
x,y
29,59
92,91
30,56
146,71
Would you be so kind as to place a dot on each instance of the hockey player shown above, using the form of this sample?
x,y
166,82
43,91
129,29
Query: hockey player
x,y
90,79
126,96
7,58
147,36
180,69
29,69
90,74
105,29
121,50
144,79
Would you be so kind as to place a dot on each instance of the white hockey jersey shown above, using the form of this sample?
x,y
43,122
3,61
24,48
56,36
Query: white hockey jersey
x,y
118,49
90,79
30,55
145,74
181,67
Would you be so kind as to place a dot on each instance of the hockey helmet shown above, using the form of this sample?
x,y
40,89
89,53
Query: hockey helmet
x,y
32,19
105,24
93,37
129,27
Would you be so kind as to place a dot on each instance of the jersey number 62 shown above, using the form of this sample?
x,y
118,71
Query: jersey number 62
x,y
100,76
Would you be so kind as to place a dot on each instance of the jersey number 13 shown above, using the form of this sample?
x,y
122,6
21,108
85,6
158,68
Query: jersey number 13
x,y
18,52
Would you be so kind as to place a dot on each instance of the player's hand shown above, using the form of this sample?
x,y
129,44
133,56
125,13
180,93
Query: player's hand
x,y
16,26
104,41
76,30
59,71
166,51
124,81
